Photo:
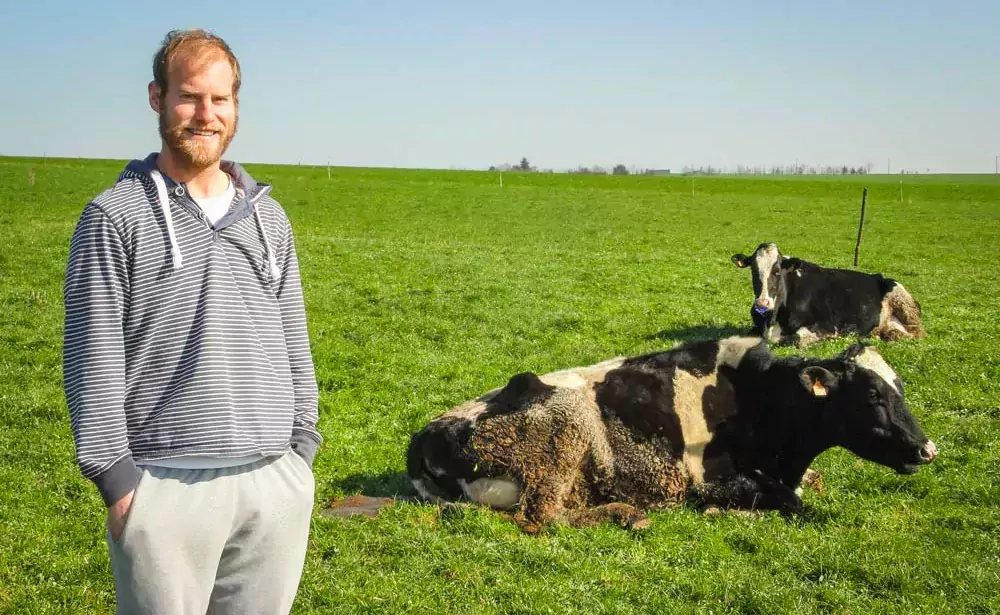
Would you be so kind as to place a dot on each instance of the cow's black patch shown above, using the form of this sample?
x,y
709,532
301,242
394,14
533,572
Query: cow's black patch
x,y
640,393
518,392
697,358
718,403
831,301
435,453
885,285
643,400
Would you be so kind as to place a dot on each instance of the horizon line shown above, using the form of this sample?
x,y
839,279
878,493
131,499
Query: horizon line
x,y
658,172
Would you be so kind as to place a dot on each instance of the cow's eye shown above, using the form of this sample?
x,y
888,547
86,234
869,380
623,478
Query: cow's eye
x,y
881,432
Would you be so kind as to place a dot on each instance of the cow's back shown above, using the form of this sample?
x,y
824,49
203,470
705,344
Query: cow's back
x,y
832,301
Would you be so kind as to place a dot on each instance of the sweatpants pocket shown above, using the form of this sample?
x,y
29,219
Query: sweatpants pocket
x,y
301,474
301,461
134,509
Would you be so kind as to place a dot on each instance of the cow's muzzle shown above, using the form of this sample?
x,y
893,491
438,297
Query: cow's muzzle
x,y
928,452
765,302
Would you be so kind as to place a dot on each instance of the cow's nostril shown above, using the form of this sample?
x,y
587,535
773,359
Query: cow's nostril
x,y
929,451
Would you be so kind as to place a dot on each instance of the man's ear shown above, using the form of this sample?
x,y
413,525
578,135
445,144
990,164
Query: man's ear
x,y
818,381
154,96
740,260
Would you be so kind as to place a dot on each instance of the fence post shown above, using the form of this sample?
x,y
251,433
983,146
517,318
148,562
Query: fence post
x,y
861,224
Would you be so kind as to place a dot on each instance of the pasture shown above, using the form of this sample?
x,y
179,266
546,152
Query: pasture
x,y
426,288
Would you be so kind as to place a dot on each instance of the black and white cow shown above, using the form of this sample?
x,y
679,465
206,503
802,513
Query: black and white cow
x,y
801,302
724,423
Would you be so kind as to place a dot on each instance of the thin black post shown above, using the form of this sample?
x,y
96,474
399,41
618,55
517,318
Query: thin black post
x,y
861,224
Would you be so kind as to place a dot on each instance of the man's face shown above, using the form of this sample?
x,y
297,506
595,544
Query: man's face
x,y
198,112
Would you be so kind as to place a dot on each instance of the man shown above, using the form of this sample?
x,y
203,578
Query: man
x,y
187,370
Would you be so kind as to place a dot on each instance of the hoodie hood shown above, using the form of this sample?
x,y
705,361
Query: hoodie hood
x,y
248,194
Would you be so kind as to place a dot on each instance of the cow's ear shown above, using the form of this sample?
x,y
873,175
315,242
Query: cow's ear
x,y
740,260
852,351
818,382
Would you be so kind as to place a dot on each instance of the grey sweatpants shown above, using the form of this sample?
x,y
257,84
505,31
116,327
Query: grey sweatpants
x,y
227,540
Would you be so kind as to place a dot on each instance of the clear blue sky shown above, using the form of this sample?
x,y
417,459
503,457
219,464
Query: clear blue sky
x,y
470,84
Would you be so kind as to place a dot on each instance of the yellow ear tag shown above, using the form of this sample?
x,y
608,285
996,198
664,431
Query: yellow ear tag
x,y
818,389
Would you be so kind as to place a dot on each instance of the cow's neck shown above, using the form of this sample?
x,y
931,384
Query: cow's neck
x,y
785,442
785,432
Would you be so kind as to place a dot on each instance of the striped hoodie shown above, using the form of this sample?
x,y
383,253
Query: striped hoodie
x,y
182,339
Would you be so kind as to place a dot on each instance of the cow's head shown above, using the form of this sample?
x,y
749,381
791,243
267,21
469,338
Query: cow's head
x,y
768,283
868,411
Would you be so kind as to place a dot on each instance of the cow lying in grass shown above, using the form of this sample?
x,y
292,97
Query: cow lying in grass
x,y
800,302
723,423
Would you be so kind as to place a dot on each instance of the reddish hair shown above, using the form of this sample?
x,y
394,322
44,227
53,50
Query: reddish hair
x,y
196,44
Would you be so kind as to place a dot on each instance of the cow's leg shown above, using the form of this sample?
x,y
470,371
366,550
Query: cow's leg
x,y
549,480
543,503
804,337
893,332
741,491
622,514
773,333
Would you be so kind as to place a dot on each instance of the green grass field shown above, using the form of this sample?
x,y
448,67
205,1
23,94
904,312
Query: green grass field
x,y
426,288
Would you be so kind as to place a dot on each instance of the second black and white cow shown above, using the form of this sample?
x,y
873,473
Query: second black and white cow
x,y
801,302
725,423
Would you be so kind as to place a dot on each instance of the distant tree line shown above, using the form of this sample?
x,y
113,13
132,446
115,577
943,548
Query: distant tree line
x,y
789,169
524,166
620,169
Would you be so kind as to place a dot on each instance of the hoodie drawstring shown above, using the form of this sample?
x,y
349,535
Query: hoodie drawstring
x,y
161,191
275,273
175,249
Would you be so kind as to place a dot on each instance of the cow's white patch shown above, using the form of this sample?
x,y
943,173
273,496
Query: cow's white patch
x,y
870,359
885,317
900,313
765,259
774,333
471,409
569,380
895,324
690,407
581,377
732,350
694,460
500,493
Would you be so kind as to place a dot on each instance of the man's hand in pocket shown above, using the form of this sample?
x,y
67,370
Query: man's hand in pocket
x,y
117,513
